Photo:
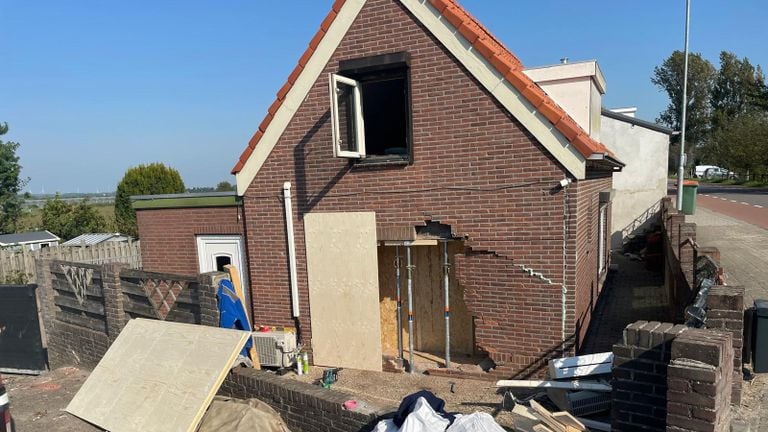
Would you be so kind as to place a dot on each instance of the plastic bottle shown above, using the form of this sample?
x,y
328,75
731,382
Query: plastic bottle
x,y
305,362
299,366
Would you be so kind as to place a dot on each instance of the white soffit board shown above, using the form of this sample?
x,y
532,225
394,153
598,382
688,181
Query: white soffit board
x,y
298,92
157,376
501,89
343,278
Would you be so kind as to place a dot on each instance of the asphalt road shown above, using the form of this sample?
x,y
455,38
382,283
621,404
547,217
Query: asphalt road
x,y
746,204
751,196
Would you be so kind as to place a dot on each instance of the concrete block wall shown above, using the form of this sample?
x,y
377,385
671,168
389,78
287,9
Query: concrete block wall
x,y
640,376
725,311
80,332
700,378
304,407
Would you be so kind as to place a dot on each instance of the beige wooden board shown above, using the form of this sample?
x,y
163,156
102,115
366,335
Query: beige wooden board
x,y
569,420
546,418
342,272
157,376
525,418
429,302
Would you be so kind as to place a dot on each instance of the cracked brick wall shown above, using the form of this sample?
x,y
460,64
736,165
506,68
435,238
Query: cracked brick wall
x,y
474,168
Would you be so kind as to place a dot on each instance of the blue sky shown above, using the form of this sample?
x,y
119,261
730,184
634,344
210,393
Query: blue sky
x,y
92,87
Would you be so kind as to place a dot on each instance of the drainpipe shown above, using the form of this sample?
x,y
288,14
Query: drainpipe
x,y
410,268
446,270
399,306
291,249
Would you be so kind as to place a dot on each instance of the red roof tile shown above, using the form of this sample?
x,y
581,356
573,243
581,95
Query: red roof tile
x,y
499,56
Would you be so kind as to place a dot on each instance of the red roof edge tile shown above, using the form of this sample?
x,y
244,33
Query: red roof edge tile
x,y
499,56
283,92
506,63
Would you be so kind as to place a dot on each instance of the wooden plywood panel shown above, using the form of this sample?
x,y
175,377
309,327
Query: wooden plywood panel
x,y
342,272
157,376
429,318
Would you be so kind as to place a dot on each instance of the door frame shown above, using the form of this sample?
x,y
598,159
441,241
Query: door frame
x,y
204,239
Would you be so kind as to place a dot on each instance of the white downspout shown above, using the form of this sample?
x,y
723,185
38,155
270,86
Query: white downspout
x,y
291,248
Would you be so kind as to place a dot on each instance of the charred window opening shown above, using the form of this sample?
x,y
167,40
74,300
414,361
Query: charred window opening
x,y
370,108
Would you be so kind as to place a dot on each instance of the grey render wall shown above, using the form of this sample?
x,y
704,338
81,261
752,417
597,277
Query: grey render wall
x,y
643,182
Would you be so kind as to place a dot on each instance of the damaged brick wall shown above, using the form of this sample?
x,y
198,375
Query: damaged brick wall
x,y
474,168
304,407
86,306
168,236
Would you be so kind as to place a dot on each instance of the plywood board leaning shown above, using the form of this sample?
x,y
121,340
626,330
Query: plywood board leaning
x,y
234,276
157,376
342,273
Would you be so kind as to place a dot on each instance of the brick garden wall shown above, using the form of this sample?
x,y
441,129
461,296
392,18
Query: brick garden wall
x,y
489,179
304,407
86,306
674,378
168,236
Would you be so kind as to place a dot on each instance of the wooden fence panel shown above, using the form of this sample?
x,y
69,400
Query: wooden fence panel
x,y
19,266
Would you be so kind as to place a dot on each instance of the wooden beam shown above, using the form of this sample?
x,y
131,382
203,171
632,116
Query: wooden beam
x,y
546,418
569,420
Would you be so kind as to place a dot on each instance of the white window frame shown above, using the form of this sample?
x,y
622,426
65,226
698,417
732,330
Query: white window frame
x,y
359,131
602,216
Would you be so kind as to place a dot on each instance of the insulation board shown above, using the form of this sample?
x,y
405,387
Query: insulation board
x,y
157,376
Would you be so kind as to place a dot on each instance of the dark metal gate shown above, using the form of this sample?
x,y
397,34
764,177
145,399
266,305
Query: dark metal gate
x,y
21,345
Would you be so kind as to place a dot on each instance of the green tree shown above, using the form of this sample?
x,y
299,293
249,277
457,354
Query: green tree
x,y
737,89
225,186
669,78
741,144
11,184
71,220
149,179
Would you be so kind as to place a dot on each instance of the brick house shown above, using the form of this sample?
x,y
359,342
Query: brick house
x,y
408,134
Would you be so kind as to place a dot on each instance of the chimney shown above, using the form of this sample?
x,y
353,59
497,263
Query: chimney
x,y
577,87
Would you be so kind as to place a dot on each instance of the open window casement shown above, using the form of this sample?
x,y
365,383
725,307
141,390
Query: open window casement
x,y
347,117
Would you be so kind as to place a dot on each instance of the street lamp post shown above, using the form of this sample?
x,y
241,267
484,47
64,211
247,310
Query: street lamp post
x,y
681,168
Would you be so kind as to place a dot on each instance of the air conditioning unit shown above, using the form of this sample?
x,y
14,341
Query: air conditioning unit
x,y
275,348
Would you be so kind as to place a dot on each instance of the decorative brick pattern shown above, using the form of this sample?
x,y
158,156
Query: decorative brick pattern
x,y
700,378
492,183
304,407
639,397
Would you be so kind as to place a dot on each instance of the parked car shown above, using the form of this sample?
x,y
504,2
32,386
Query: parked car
x,y
6,425
712,172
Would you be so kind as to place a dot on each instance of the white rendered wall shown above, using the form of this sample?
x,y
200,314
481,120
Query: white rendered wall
x,y
643,181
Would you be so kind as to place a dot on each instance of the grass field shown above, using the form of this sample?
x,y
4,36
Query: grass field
x,y
32,217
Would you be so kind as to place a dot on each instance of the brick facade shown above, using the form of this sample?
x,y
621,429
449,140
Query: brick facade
x,y
168,241
474,168
303,406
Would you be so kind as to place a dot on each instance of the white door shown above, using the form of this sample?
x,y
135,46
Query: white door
x,y
216,251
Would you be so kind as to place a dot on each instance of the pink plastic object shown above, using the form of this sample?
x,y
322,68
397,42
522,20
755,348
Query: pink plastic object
x,y
350,405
